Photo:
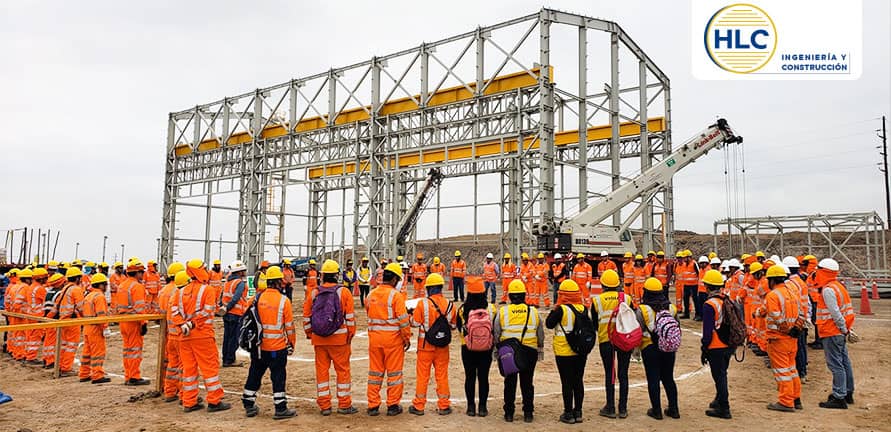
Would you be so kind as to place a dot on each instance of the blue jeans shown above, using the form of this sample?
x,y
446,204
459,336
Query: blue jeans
x,y
801,354
490,288
231,329
458,288
839,363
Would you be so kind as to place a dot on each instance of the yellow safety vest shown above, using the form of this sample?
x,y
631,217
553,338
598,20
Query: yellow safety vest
x,y
603,305
649,319
513,319
561,346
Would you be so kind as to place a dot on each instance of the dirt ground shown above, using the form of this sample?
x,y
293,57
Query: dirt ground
x,y
43,404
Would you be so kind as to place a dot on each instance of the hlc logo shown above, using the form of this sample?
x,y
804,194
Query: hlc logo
x,y
740,38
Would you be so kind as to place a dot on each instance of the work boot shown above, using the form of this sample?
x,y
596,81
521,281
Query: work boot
x,y
251,411
654,414
577,416
101,380
413,410
713,404
471,410
623,413
608,411
196,407
137,382
234,364
169,399
66,374
718,413
325,412
283,414
200,400
48,366
528,417
35,362
509,417
394,410
672,412
85,379
567,417
482,411
445,411
834,403
222,406
698,318
849,398
798,405
776,406
815,345
373,412
347,410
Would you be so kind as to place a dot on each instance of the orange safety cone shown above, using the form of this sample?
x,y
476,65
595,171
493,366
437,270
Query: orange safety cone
x,y
864,302
875,290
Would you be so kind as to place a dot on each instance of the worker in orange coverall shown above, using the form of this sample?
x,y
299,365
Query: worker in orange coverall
x,y
389,336
433,349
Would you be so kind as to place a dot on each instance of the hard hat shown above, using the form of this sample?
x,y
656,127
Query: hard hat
x,y
541,255
712,255
237,266
688,252
287,261
557,256
13,272
733,263
516,287
715,260
569,285
785,268
181,279
828,264
73,272
759,254
103,264
580,255
400,258
679,254
419,255
383,261
775,259
365,258
660,254
395,269
638,257
776,271
312,262
195,263
744,257
436,260
118,264
810,258
434,279
629,255
53,265
457,253
217,262
76,262
703,259
651,253
404,265
26,273
489,255
791,261
55,279
265,263
65,264
274,272
507,256
150,262
349,262
609,279
329,266
261,283
98,278
604,253
524,256
755,267
713,278
725,265
40,272
174,268
652,284
135,266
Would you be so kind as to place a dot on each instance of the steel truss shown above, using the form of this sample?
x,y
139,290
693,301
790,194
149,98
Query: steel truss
x,y
856,240
482,102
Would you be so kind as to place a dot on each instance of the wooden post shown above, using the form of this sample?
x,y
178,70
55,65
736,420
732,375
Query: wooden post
x,y
162,360
58,354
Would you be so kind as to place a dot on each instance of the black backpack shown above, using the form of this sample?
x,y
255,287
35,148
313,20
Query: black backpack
x,y
582,337
251,329
733,330
440,332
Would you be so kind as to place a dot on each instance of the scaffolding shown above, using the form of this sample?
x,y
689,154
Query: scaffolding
x,y
855,240
486,103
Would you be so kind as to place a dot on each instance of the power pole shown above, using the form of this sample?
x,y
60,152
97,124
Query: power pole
x,y
884,137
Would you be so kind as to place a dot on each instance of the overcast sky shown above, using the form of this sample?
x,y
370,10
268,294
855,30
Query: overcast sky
x,y
87,87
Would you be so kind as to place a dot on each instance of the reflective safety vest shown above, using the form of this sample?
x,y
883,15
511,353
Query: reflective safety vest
x,y
114,281
418,271
459,268
541,271
825,325
130,298
344,334
95,306
194,304
388,321
277,320
782,311
425,314
513,318
718,305
215,279
628,273
581,273
229,292
71,302
526,272
152,282
36,298
509,271
800,287
364,275
490,273
660,271
602,309
649,321
686,274
438,268
567,323
557,270
312,279
166,297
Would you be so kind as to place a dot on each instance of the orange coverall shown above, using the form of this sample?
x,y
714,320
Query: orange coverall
x,y
334,348
198,351
69,304
174,368
114,281
215,280
541,271
602,266
432,356
92,358
508,273
628,274
152,282
781,312
129,300
15,303
582,274
389,335
36,296
418,278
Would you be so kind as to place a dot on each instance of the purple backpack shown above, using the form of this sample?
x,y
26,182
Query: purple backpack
x,y
327,315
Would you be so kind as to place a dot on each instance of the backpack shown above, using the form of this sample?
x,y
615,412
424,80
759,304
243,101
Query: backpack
x,y
439,334
478,332
667,332
623,329
733,328
327,314
582,337
251,333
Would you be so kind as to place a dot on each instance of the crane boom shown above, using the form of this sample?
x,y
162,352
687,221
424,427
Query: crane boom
x,y
581,232
410,219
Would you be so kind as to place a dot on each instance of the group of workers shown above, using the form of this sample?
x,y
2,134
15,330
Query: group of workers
x,y
775,300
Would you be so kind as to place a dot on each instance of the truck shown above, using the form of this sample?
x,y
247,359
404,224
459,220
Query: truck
x,y
586,233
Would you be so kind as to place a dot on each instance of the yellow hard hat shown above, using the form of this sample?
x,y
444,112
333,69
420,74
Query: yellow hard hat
x,y
40,272
400,258
712,255
73,272
435,279
365,258
103,264
457,253
651,253
76,262
275,272
755,267
569,285
524,256
394,268
713,278
98,278
118,264
660,253
26,273
744,257
776,271
261,283
507,256
175,268
541,255
516,287
312,262
287,261
56,277
93,264
580,255
809,258
680,254
195,263
759,254
329,266
688,252
653,284
181,279
217,262
628,255
609,279
53,264
150,262
638,257
135,266
436,260
13,272
65,264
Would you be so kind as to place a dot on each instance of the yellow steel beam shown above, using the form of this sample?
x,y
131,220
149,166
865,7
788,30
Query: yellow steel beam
x,y
464,152
449,95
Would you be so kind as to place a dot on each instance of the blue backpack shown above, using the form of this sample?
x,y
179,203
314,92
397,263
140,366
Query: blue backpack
x,y
327,313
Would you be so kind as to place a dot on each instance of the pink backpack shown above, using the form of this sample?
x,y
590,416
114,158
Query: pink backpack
x,y
479,331
624,331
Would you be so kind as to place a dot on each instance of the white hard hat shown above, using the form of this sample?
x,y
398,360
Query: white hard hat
x,y
790,262
557,256
715,260
725,264
403,264
237,266
733,263
785,269
775,259
489,255
604,253
703,259
828,264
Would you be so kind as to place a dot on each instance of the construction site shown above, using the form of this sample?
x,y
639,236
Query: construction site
x,y
544,134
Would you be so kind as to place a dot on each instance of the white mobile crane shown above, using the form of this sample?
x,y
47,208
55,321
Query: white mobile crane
x,y
583,233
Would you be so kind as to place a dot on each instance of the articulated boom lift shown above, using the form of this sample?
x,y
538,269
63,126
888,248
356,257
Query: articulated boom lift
x,y
410,219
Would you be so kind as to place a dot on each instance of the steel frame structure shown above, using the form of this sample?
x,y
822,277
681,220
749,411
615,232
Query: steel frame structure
x,y
371,130
821,242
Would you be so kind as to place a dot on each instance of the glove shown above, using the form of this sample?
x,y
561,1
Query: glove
x,y
540,355
222,311
290,350
853,337
186,328
143,330
703,358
